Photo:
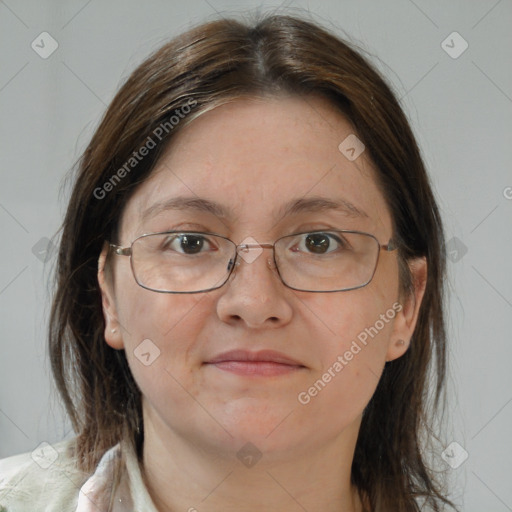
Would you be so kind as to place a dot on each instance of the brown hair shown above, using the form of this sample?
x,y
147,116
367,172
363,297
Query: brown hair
x,y
205,67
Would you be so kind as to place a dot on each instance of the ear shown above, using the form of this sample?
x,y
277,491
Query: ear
x,y
407,316
113,335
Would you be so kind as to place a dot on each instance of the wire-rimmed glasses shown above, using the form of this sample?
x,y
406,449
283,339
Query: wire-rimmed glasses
x,y
312,261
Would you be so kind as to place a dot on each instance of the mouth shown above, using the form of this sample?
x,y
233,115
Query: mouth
x,y
265,363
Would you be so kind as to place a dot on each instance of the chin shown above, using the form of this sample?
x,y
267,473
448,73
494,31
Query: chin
x,y
264,425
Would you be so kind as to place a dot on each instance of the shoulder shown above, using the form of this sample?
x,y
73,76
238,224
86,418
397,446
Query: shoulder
x,y
43,480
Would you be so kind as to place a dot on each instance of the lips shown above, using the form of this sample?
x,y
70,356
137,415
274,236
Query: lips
x,y
261,363
268,356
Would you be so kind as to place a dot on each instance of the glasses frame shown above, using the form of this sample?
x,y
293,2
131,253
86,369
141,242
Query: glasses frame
x,y
128,251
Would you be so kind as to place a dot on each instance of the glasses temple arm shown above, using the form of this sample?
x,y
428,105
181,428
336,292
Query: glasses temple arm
x,y
122,251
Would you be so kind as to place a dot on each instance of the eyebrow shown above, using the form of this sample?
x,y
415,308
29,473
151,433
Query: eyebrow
x,y
319,204
310,204
191,203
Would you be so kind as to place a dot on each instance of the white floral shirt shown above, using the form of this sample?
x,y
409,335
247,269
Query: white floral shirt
x,y
52,483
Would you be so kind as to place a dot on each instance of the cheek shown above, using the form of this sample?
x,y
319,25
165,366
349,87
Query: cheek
x,y
156,316
355,330
159,331
168,380
351,316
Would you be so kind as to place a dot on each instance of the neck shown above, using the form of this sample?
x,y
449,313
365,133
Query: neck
x,y
182,475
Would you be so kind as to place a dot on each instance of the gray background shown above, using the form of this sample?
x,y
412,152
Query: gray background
x,y
460,109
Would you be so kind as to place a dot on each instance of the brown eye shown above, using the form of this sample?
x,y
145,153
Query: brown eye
x,y
317,243
186,243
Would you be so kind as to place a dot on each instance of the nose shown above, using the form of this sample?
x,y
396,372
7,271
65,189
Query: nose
x,y
254,294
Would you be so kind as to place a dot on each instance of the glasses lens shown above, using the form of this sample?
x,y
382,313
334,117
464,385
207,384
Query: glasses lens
x,y
182,262
187,262
327,260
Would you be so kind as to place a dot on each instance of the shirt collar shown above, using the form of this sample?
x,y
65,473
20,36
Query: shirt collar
x,y
117,484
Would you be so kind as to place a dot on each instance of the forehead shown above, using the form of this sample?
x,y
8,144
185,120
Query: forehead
x,y
254,160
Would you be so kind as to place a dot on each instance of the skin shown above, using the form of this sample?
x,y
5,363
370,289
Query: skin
x,y
254,155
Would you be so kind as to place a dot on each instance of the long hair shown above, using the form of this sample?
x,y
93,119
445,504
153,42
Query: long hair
x,y
197,71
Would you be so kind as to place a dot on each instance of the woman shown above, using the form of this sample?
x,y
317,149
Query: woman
x,y
249,301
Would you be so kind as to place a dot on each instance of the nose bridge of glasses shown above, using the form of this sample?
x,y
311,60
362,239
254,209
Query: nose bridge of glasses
x,y
249,252
247,247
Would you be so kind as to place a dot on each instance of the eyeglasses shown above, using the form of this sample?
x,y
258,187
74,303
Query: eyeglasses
x,y
194,261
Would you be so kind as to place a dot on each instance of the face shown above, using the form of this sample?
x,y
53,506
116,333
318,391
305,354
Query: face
x,y
252,157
